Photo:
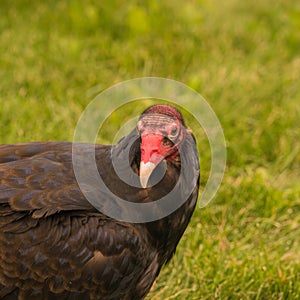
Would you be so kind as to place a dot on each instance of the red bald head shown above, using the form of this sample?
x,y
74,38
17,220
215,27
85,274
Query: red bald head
x,y
164,110
162,130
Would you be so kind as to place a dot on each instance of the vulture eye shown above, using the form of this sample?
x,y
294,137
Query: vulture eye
x,y
173,133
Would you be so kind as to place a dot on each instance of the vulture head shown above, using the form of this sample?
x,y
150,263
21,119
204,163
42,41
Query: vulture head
x,y
162,131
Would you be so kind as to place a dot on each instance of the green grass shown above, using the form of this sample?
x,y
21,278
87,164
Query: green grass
x,y
243,57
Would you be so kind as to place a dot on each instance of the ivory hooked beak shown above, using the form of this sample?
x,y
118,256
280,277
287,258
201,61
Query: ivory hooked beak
x,y
145,172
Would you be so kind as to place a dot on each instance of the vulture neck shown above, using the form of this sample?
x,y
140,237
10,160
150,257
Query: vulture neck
x,y
164,233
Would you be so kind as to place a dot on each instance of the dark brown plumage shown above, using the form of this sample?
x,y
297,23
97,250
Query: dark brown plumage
x,y
55,245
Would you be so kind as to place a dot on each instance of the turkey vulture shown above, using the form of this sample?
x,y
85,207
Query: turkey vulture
x,y
54,244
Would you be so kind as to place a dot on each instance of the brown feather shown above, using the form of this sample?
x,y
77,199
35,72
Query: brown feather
x,y
55,245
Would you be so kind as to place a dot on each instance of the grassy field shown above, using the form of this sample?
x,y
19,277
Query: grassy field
x,y
243,57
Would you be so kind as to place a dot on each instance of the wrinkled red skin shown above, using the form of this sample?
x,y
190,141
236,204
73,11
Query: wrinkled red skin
x,y
152,149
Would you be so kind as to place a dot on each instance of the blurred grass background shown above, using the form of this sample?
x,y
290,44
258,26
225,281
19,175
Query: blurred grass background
x,y
243,57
